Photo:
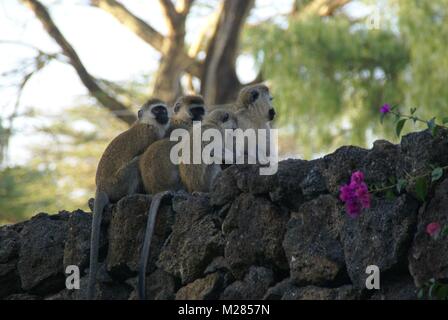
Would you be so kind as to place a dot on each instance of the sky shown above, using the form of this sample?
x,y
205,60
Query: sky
x,y
107,49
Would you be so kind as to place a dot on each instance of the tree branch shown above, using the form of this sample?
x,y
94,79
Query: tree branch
x,y
184,6
144,30
219,82
117,108
321,8
135,24
171,16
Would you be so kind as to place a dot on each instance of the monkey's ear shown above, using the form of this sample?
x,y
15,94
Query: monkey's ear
x,y
254,94
140,114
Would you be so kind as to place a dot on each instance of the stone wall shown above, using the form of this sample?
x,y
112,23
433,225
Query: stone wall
x,y
285,236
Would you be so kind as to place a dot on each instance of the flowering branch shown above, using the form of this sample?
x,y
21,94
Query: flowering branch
x,y
402,118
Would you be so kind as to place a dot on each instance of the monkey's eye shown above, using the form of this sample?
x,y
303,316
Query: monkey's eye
x,y
254,95
225,118
177,108
140,114
271,98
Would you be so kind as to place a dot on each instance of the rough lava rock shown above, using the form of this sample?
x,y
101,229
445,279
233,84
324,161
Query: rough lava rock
x,y
254,229
381,237
41,254
312,244
283,236
254,286
195,240
428,257
126,234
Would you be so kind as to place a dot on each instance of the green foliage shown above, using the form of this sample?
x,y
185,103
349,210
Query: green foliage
x,y
436,174
330,76
24,190
433,289
61,173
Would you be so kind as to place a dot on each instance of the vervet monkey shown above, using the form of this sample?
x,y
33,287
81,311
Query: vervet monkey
x,y
156,168
254,107
199,177
117,174
254,110
160,175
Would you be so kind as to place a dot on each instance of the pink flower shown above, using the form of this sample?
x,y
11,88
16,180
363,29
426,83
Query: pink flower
x,y
355,195
357,177
385,108
433,229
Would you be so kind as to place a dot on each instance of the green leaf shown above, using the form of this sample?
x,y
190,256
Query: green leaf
x,y
445,120
432,126
399,126
421,188
444,231
401,185
421,293
442,292
432,290
436,174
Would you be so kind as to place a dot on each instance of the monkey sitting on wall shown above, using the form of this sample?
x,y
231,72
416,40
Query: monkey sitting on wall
x,y
118,175
160,175
200,177
254,110
158,172
193,177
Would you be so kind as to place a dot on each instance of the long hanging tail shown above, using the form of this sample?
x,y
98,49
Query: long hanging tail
x,y
144,256
101,200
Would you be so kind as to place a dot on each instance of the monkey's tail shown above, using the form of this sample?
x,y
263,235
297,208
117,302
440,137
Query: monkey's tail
x,y
101,200
144,256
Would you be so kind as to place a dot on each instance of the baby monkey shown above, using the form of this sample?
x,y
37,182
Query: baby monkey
x,y
118,175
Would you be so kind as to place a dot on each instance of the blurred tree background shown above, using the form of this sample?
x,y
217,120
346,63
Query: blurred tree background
x,y
330,64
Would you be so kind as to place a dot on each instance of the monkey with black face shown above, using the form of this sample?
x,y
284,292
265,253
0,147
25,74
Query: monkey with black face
x,y
160,175
158,172
118,175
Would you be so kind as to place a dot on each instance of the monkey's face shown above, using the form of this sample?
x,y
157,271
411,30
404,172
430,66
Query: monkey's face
x,y
189,108
262,103
196,111
223,120
229,121
157,112
258,100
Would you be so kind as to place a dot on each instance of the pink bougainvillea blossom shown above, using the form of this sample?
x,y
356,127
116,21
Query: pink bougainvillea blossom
x,y
433,229
385,108
355,195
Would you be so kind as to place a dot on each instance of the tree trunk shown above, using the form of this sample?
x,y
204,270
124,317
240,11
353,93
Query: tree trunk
x,y
219,82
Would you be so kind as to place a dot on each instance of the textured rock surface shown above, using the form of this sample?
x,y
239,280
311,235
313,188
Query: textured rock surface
x,y
254,230
428,258
284,236
380,237
312,244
